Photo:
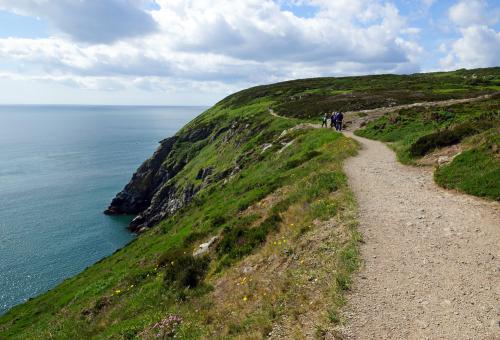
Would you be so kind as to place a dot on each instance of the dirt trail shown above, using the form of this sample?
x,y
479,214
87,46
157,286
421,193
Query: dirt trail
x,y
431,257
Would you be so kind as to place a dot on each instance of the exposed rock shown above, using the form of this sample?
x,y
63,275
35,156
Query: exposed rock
x,y
223,174
266,147
137,194
303,126
164,203
204,173
247,270
205,247
443,160
285,146
150,194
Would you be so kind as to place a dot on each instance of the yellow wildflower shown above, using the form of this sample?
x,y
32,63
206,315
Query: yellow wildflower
x,y
245,298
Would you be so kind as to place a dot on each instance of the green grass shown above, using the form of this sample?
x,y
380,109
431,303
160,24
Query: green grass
x,y
475,171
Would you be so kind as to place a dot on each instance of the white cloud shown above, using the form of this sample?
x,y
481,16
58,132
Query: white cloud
x,y
469,12
428,3
89,21
479,46
230,43
479,43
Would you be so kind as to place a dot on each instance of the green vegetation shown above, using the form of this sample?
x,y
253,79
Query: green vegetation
x,y
279,203
155,276
417,132
310,98
477,170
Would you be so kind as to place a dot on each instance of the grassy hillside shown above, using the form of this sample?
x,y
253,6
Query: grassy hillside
x,y
418,132
155,276
275,196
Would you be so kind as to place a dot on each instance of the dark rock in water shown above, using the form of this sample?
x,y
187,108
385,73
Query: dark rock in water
x,y
150,194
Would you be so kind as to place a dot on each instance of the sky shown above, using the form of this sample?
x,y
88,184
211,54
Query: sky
x,y
195,52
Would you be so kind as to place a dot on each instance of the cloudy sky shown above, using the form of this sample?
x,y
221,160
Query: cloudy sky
x,y
192,52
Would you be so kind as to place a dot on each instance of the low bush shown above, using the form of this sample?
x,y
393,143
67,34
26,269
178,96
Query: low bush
x,y
440,139
183,270
240,241
448,137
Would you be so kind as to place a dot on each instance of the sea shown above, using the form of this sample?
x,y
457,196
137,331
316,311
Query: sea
x,y
60,166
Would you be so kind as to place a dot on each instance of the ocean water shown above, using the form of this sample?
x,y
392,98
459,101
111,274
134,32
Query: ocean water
x,y
60,166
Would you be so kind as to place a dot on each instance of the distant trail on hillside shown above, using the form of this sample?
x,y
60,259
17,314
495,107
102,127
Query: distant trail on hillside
x,y
353,120
431,256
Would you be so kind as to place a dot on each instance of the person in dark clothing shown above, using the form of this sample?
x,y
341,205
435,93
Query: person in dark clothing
x,y
338,121
333,119
324,122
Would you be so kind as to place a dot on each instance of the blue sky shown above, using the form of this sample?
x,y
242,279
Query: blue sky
x,y
198,51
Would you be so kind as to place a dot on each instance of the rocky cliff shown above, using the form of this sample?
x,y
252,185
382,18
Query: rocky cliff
x,y
150,194
154,193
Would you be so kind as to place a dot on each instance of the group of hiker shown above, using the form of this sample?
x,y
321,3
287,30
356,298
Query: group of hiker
x,y
336,119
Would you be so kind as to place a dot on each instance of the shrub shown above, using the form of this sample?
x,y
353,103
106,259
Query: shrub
x,y
183,270
194,236
343,281
447,137
240,241
334,316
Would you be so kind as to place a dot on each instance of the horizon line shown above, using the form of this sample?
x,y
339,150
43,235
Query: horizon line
x,y
110,105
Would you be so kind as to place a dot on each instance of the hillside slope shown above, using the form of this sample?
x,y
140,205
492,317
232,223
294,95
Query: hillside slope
x,y
269,198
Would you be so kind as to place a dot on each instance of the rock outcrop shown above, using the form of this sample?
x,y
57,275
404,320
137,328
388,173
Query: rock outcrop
x,y
154,194
150,194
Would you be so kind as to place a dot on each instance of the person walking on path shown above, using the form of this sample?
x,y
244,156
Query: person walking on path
x,y
324,122
338,121
333,119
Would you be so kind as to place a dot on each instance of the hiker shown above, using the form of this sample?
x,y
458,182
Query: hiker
x,y
325,120
338,121
333,119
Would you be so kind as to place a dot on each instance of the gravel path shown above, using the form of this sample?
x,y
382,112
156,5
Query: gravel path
x,y
431,256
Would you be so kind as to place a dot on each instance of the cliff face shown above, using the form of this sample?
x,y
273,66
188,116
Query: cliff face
x,y
150,194
154,192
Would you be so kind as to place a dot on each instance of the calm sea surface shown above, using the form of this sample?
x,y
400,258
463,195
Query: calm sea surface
x,y
60,166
